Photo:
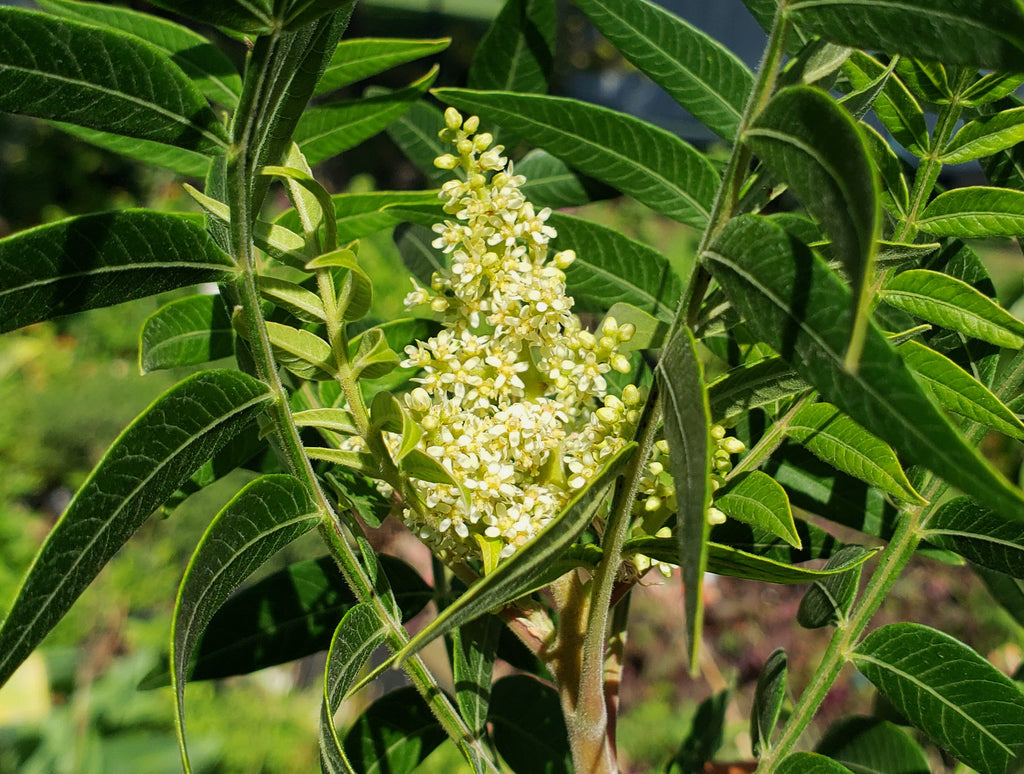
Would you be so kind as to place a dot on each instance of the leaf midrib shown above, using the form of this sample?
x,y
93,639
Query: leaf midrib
x,y
110,269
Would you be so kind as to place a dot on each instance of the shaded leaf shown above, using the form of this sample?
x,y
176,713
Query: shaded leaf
x,y
979,535
362,214
706,735
188,331
828,600
184,162
894,105
1007,591
475,647
751,386
151,458
393,735
419,257
517,52
359,58
768,697
100,260
816,543
810,763
529,730
873,746
251,16
758,500
551,183
415,133
944,688
641,160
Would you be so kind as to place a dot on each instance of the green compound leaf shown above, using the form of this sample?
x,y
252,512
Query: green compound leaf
x,y
475,646
302,304
101,260
612,268
768,697
359,58
681,379
951,31
86,75
793,302
210,70
151,458
359,633
952,303
394,734
185,162
529,729
303,353
189,331
873,746
814,145
810,763
835,438
751,386
517,53
956,390
327,130
985,136
944,688
829,599
695,70
760,501
976,211
513,575
265,516
979,535
894,105
641,160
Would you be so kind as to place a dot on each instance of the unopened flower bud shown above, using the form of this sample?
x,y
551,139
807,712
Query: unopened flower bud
x,y
715,516
465,147
733,445
447,161
607,415
631,395
610,326
621,364
564,259
717,432
418,399
471,124
453,119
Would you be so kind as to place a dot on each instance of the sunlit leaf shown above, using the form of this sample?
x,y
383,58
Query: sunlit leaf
x,y
475,646
979,535
985,136
810,763
517,53
359,58
974,212
758,500
768,697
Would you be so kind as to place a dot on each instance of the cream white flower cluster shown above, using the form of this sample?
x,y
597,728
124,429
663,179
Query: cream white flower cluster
x,y
513,399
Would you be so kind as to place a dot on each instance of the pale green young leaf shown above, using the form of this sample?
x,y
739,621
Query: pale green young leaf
x,y
361,462
211,71
947,690
327,130
516,573
871,745
814,146
303,353
751,386
695,70
979,535
956,390
312,202
86,75
337,420
151,458
185,162
293,298
475,646
641,160
359,58
895,106
810,763
985,136
758,500
952,303
611,268
828,600
989,35
373,356
791,300
687,424
101,260
838,440
974,211
266,515
188,331
769,694
517,53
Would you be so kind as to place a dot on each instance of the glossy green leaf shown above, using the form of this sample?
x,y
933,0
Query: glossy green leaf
x,y
792,301
641,160
529,730
266,515
979,535
151,458
813,145
694,69
359,633
842,443
415,133
985,136
706,735
249,16
101,260
393,735
956,390
551,183
758,500
293,298
952,303
735,563
895,106
810,763
475,646
86,75
768,697
184,162
359,58
929,81
751,386
303,353
950,31
611,268
873,746
514,574
828,600
681,380
944,688
362,214
189,331
517,53
991,87
974,212
327,130
210,70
